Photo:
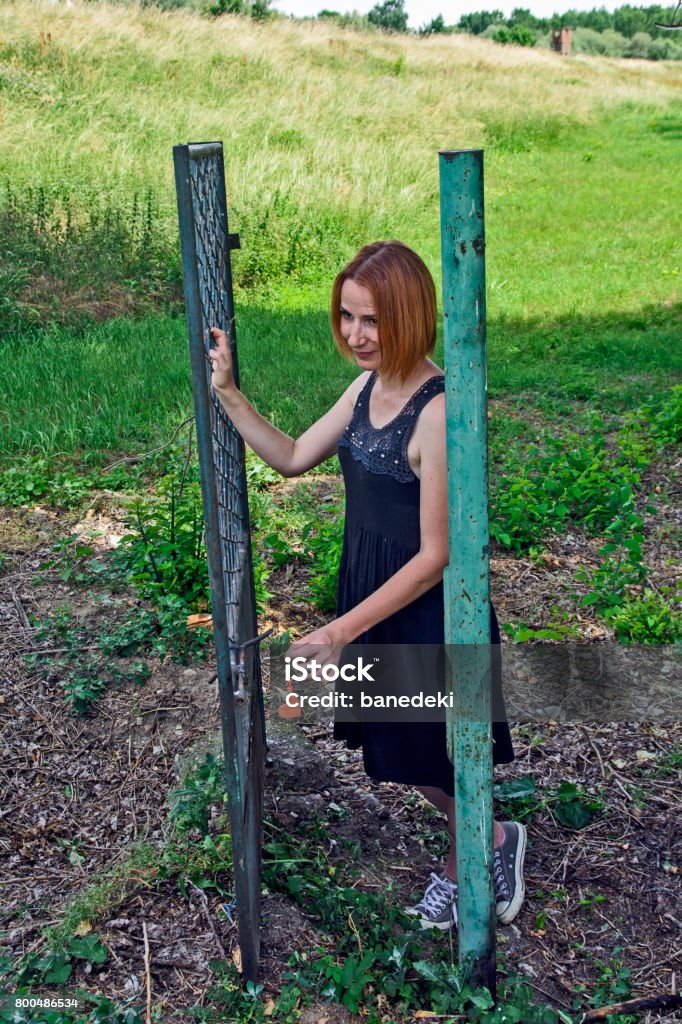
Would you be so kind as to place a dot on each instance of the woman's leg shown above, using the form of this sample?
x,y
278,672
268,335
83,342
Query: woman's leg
x,y
446,805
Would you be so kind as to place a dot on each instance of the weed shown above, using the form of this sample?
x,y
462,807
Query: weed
x,y
614,985
37,479
573,807
323,541
55,967
669,764
570,804
165,554
202,787
521,633
649,618
519,797
164,557
87,656
82,664
78,252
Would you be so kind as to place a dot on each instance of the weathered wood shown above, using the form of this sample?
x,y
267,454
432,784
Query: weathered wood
x,y
640,1005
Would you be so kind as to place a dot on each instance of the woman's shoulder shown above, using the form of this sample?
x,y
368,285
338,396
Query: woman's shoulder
x,y
431,412
355,389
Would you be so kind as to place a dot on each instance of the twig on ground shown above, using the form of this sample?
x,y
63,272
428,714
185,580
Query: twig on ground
x,y
209,919
353,928
23,617
152,451
147,973
661,1002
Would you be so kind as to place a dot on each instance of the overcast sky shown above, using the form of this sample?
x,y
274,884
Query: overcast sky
x,y
422,11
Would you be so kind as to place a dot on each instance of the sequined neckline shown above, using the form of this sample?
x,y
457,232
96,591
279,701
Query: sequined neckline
x,y
384,449
369,387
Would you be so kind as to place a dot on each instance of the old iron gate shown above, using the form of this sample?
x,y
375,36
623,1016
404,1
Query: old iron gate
x,y
206,244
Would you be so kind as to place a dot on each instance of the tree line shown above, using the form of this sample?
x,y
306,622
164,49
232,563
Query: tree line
x,y
626,32
627,20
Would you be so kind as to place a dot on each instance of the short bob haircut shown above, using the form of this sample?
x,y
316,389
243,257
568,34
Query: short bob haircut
x,y
404,297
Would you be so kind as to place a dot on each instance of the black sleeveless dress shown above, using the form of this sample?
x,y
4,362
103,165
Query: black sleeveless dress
x,y
382,533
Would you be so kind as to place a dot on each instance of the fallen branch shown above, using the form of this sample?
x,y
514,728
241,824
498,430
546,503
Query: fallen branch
x,y
662,1002
147,974
207,915
152,451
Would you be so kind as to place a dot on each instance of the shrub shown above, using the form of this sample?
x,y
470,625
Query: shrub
x,y
435,27
517,35
646,619
664,49
390,16
608,43
638,45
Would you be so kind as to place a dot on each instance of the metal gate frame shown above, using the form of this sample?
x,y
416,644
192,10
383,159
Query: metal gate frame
x,y
206,244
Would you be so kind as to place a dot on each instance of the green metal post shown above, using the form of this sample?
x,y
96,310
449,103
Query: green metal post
x,y
467,586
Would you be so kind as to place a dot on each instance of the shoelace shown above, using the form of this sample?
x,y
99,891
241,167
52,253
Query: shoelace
x,y
438,895
501,887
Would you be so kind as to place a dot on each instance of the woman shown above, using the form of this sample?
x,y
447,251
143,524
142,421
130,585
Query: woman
x,y
388,429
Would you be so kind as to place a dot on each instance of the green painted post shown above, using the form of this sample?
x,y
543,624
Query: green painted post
x,y
467,586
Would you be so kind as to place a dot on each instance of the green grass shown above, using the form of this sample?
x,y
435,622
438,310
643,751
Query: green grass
x,y
125,385
582,249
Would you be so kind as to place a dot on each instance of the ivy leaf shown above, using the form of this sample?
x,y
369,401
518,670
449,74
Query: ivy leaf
x,y
574,814
88,948
515,789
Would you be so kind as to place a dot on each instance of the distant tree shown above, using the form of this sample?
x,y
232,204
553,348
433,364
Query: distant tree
x,y
260,10
478,21
629,20
522,16
228,7
390,16
639,45
434,27
518,35
599,19
328,14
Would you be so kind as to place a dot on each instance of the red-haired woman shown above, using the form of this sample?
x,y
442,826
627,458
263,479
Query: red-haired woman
x,y
388,429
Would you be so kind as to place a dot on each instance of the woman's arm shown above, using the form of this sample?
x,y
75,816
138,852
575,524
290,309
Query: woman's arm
x,y
288,456
425,569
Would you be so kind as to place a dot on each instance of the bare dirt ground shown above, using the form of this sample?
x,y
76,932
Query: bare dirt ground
x,y
81,795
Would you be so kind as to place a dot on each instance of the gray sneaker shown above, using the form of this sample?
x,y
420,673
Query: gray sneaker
x,y
438,906
508,872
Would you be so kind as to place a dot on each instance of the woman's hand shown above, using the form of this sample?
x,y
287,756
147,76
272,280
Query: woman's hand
x,y
322,645
222,377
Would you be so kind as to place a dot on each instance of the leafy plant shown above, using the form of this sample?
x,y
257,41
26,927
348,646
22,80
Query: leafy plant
x,y
622,564
37,479
573,807
165,554
164,557
448,990
88,655
323,541
648,618
519,796
202,786
348,980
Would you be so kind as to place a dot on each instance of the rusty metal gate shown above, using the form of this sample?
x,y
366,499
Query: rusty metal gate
x,y
206,244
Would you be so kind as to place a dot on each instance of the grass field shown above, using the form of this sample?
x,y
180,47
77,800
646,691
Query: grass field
x,y
331,140
581,158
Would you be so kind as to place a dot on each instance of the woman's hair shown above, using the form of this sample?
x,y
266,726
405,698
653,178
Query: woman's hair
x,y
404,297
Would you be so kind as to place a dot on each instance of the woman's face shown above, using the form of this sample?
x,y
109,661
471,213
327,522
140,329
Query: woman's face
x,y
359,325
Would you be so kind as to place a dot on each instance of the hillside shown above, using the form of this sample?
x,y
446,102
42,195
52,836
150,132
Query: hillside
x,y
335,134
